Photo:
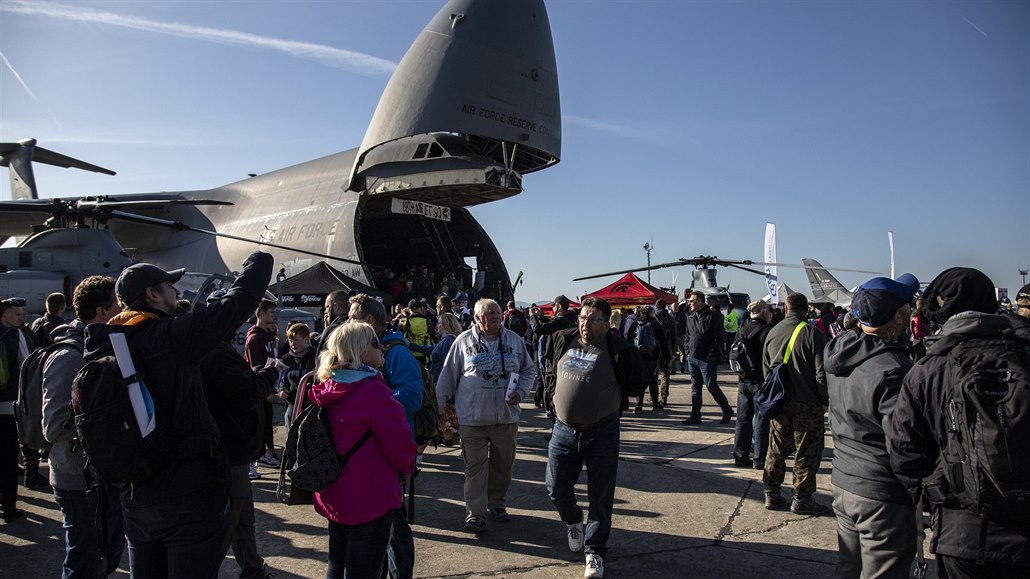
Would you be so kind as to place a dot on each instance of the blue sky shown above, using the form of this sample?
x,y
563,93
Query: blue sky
x,y
688,125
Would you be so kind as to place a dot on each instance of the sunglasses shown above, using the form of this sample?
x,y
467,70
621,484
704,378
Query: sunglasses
x,y
14,302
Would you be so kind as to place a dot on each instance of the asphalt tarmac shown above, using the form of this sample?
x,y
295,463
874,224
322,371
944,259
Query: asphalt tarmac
x,y
681,510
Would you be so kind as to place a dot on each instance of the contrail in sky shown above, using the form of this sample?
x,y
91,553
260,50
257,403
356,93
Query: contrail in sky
x,y
603,126
17,76
357,62
974,26
28,90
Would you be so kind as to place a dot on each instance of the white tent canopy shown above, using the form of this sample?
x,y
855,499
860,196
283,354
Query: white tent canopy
x,y
782,291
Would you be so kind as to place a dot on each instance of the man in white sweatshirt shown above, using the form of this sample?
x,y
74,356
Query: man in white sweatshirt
x,y
488,372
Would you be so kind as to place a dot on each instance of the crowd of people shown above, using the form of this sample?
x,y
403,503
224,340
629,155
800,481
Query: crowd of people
x,y
899,372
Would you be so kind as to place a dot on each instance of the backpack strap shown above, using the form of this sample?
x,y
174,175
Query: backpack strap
x,y
790,344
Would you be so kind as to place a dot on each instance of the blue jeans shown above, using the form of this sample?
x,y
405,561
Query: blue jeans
x,y
704,371
357,551
752,432
83,543
178,537
568,451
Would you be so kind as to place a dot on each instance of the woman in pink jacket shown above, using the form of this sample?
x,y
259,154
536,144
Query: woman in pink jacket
x,y
360,502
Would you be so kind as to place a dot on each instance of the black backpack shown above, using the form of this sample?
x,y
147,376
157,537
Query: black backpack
x,y
310,459
28,409
516,321
988,408
744,356
116,451
740,357
427,418
644,339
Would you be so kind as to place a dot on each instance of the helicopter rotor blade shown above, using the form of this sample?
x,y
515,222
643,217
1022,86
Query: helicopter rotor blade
x,y
745,268
678,263
102,202
183,227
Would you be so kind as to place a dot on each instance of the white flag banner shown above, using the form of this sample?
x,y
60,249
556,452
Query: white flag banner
x,y
890,241
770,257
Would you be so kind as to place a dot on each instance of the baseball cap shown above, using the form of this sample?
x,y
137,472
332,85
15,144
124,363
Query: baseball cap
x,y
660,303
135,279
877,300
561,300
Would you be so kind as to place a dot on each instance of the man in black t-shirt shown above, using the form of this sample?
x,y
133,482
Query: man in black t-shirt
x,y
595,373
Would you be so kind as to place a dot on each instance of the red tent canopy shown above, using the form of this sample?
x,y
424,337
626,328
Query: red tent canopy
x,y
548,308
630,290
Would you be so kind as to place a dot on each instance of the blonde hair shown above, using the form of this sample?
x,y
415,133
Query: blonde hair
x,y
449,324
344,347
615,320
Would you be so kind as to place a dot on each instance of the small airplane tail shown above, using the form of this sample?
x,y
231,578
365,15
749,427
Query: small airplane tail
x,y
18,158
824,285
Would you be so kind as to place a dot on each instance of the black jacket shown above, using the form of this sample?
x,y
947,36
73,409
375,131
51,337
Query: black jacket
x,y
168,352
630,371
234,396
863,376
918,433
668,323
704,328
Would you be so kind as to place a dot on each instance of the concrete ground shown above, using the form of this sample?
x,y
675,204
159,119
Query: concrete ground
x,y
681,510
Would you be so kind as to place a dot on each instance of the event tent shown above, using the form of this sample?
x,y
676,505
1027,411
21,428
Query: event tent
x,y
630,290
309,288
782,291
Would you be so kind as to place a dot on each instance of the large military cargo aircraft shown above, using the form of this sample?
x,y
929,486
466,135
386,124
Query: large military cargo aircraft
x,y
471,108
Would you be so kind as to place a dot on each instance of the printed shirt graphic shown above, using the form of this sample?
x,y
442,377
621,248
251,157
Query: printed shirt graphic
x,y
586,390
491,363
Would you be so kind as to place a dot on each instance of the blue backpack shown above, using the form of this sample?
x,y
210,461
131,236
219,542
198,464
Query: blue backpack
x,y
644,340
771,396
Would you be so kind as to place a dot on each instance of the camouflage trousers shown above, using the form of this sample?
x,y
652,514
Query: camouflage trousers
x,y
801,426
664,371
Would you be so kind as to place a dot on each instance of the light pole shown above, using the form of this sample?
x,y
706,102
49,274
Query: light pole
x,y
648,247
1024,273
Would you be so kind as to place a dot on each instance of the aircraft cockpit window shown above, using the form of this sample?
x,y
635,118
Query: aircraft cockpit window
x,y
435,150
420,151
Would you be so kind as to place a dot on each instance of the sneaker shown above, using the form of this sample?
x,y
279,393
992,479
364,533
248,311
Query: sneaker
x,y
692,420
741,462
727,415
774,501
658,407
595,566
577,537
269,460
638,410
500,514
808,506
474,524
758,465
252,472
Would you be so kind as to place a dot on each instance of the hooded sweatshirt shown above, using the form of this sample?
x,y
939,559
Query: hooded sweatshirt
x,y
864,375
476,374
358,400
58,372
